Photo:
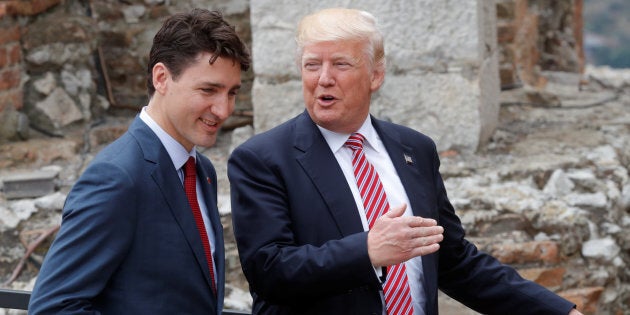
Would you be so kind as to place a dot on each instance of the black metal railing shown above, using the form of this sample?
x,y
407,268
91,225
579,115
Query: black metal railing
x,y
15,299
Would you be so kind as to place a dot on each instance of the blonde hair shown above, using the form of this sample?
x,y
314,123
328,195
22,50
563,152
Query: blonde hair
x,y
342,24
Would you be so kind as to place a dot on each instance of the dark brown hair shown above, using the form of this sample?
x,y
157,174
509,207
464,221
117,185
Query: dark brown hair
x,y
185,35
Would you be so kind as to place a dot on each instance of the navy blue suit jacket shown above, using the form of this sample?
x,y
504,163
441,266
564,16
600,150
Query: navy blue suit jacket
x,y
302,244
128,242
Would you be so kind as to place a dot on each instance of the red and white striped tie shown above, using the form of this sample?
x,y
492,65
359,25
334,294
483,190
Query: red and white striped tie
x,y
396,289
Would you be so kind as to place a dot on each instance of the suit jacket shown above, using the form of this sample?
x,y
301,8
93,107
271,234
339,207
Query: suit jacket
x,y
128,243
302,245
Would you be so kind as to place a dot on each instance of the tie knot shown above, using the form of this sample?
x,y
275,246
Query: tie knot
x,y
189,167
355,141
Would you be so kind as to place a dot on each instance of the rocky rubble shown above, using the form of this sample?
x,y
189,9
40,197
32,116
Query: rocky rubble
x,y
549,194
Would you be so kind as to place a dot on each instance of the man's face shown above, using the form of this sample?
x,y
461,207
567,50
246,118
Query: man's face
x,y
193,106
337,84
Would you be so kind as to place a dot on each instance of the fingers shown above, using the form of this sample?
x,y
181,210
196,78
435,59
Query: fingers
x,y
425,250
396,211
414,221
424,231
421,222
426,237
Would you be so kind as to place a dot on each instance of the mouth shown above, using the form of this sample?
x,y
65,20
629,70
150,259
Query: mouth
x,y
326,98
210,123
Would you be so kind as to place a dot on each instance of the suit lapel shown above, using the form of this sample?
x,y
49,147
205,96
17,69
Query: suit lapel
x,y
208,182
170,185
319,163
405,162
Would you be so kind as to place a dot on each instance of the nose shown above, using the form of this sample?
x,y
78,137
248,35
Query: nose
x,y
326,77
222,107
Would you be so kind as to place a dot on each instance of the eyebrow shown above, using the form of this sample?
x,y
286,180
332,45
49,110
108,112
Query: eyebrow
x,y
333,57
219,85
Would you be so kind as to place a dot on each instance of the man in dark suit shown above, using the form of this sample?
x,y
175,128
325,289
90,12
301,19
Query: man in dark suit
x,y
140,232
305,194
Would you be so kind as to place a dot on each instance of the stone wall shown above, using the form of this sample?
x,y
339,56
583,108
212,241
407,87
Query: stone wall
x,y
13,122
443,60
67,65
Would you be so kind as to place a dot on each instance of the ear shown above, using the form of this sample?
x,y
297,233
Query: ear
x,y
378,77
160,76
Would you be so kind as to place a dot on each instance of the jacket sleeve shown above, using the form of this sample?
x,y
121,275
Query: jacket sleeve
x,y
96,231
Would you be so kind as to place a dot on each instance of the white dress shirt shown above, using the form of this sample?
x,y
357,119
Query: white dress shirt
x,y
179,156
376,154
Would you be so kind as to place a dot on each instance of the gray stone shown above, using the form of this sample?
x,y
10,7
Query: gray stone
x,y
102,103
58,109
559,184
31,184
617,78
427,102
58,54
604,156
45,84
132,13
23,208
596,200
237,299
604,248
52,202
584,178
624,200
75,81
240,135
223,203
13,125
278,102
85,101
8,219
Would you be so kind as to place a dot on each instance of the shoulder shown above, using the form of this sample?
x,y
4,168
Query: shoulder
x,y
274,137
405,134
123,151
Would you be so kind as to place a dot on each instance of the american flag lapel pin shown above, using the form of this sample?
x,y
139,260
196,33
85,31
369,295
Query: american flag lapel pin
x,y
209,180
408,159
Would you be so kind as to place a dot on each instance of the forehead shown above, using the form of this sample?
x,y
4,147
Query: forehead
x,y
225,71
333,49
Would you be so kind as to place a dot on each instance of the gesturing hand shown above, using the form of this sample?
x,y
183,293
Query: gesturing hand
x,y
394,239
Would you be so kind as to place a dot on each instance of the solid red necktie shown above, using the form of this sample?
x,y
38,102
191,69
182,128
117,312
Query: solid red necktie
x,y
396,289
190,183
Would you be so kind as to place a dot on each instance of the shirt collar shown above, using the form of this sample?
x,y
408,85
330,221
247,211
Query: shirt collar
x,y
336,140
175,150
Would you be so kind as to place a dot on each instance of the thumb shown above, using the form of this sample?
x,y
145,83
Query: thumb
x,y
396,211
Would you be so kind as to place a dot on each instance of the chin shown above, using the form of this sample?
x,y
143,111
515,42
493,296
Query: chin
x,y
206,143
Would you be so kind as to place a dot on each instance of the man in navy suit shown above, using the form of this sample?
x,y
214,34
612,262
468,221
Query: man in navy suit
x,y
129,241
305,242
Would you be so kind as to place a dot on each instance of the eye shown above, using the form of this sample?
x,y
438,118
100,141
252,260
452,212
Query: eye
x,y
343,64
311,66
